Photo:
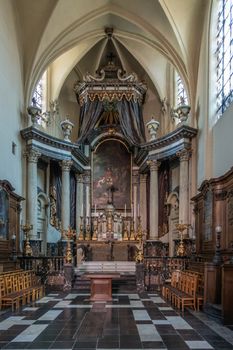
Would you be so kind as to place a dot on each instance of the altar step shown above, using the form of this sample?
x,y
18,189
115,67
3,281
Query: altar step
x,y
126,282
107,266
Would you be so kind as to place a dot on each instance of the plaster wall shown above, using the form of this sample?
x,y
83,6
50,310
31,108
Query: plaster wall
x,y
11,99
223,143
201,113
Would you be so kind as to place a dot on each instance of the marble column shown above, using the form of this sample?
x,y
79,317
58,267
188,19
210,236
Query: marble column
x,y
143,201
87,181
135,188
154,212
79,201
65,193
184,156
32,159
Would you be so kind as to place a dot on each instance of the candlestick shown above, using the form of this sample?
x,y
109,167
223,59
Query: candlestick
x,y
138,210
82,211
125,210
95,209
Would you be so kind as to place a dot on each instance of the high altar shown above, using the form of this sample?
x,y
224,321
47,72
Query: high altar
x,y
115,181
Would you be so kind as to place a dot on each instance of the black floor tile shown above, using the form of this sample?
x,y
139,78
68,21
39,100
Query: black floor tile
x,y
62,345
40,345
85,345
174,342
153,345
17,345
106,328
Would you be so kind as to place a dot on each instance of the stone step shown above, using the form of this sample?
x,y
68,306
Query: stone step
x,y
107,266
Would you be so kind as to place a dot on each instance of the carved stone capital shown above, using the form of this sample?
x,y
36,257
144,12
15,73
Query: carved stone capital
x,y
153,164
66,164
79,177
184,154
32,155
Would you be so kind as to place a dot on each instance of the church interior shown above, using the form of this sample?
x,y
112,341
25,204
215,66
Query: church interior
x,y
116,176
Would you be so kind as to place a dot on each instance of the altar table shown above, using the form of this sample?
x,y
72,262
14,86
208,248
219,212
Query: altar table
x,y
101,285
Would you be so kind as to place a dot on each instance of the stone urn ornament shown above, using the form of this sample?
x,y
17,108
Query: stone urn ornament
x,y
67,127
182,111
35,113
152,127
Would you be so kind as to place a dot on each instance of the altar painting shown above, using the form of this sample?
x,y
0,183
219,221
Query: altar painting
x,y
111,175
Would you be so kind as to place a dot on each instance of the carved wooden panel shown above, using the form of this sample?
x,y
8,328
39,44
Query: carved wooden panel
x,y
213,207
9,221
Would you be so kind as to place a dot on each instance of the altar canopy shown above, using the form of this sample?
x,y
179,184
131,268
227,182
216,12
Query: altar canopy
x,y
111,90
130,119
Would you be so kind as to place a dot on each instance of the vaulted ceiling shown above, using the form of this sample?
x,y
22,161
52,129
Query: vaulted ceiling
x,y
70,34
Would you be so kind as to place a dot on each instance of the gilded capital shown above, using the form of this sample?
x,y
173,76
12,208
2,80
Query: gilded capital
x,y
184,154
66,164
32,155
153,164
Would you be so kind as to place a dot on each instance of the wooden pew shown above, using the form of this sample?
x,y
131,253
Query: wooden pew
x,y
19,287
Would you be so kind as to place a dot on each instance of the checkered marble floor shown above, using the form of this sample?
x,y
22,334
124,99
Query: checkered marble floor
x,y
130,321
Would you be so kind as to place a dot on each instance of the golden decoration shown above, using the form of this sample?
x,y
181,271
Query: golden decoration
x,y
69,255
26,229
181,248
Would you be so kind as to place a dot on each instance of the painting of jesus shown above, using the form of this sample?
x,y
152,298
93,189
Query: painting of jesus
x,y
111,175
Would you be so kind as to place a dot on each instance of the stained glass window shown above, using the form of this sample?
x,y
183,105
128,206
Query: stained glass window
x,y
224,56
181,94
37,95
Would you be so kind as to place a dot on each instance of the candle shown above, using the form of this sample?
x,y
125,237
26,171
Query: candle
x,y
95,209
125,210
82,211
138,210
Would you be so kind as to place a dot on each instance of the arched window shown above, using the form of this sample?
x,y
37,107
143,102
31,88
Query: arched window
x,y
181,94
39,95
224,56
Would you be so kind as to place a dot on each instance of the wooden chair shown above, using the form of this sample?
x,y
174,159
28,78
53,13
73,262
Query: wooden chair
x,y
186,295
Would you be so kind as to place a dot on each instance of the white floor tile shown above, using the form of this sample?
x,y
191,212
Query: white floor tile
x,y
198,344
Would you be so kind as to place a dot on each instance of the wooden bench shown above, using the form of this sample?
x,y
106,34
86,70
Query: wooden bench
x,y
19,287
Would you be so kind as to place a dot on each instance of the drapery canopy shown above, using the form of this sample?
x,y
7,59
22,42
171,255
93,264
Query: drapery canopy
x,y
130,119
